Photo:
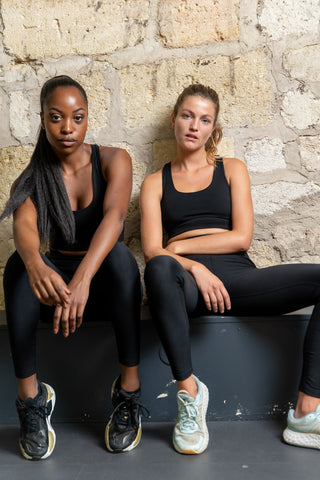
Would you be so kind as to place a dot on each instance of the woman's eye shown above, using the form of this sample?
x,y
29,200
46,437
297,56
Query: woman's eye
x,y
55,117
78,118
205,120
185,115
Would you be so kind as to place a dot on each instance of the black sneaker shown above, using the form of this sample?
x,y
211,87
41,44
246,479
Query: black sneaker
x,y
123,431
37,438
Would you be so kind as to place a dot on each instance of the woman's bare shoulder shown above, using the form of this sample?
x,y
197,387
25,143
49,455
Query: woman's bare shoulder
x,y
152,183
233,167
231,162
109,154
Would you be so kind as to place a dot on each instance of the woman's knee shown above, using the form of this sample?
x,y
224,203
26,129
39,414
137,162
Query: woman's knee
x,y
121,265
14,272
162,269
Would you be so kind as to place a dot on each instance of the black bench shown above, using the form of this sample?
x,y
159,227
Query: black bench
x,y
251,366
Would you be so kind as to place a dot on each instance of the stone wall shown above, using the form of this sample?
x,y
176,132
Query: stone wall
x,y
134,56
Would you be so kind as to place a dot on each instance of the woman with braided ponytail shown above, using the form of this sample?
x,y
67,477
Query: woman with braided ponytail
x,y
203,202
72,197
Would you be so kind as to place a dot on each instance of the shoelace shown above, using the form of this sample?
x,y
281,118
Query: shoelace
x,y
30,419
188,416
125,411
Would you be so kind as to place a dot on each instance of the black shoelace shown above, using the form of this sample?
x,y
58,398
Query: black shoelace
x,y
128,409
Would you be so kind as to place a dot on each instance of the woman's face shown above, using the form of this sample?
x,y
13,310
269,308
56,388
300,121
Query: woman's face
x,y
194,122
65,120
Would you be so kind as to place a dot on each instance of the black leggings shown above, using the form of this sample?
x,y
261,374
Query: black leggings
x,y
115,294
174,296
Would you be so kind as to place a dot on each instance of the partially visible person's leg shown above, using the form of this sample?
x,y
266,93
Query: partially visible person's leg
x,y
282,289
23,314
172,295
116,290
36,400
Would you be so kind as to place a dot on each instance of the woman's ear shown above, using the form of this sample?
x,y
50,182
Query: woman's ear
x,y
173,119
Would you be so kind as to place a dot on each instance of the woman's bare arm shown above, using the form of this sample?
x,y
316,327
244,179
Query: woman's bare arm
x,y
213,291
47,285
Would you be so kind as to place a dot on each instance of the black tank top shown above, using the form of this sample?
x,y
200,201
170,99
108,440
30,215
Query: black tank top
x,y
207,208
87,219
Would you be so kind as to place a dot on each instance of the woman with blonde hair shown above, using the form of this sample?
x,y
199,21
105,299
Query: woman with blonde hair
x,y
203,203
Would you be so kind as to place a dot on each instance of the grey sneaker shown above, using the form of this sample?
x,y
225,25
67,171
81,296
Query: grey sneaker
x,y
37,438
190,434
304,431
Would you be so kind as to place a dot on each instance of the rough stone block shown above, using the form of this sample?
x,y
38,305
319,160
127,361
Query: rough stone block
x,y
264,155
19,115
262,254
12,161
288,17
268,199
36,29
94,84
250,100
302,63
310,152
293,240
148,92
187,22
17,73
164,151
226,147
300,109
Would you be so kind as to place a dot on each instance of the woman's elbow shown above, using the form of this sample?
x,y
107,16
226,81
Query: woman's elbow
x,y
245,242
149,253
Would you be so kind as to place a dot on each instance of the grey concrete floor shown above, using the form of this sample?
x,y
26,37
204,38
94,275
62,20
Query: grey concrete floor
x,y
237,450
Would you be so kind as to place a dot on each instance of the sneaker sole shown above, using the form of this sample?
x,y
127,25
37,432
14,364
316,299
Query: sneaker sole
x,y
191,451
136,441
51,432
308,440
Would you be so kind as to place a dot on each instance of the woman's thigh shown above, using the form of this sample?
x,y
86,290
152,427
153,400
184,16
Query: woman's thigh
x,y
275,290
116,286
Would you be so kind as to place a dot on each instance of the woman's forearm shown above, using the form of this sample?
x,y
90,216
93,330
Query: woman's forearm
x,y
186,263
215,243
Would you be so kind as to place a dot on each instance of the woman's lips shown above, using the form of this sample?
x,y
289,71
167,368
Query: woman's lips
x,y
191,137
67,142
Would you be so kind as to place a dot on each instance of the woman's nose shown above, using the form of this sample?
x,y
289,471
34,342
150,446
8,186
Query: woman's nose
x,y
67,126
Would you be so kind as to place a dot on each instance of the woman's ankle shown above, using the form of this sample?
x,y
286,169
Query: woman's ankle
x,y
306,404
28,387
129,378
189,385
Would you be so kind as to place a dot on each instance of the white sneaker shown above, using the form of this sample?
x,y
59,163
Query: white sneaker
x,y
190,435
304,431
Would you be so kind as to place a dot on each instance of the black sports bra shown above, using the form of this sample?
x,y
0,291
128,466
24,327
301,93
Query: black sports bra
x,y
207,208
86,219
